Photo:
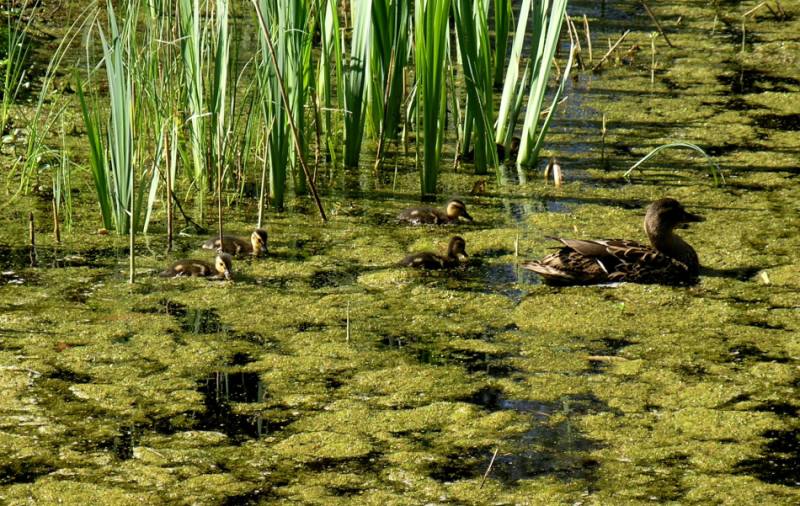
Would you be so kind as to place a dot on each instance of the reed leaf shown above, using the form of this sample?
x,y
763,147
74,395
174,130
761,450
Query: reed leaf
x,y
431,30
389,57
713,166
546,29
473,38
355,79
17,48
513,84
502,21
192,52
277,137
330,62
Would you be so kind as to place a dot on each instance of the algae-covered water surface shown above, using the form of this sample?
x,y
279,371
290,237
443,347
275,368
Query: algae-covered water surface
x,y
324,373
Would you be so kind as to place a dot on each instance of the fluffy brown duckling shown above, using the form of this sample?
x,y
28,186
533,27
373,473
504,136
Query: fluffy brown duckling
x,y
429,215
200,268
668,260
256,245
427,260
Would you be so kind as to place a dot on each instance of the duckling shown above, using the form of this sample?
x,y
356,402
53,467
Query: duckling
x,y
668,260
191,267
427,260
429,215
257,245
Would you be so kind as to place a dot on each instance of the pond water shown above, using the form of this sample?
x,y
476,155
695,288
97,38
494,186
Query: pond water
x,y
327,374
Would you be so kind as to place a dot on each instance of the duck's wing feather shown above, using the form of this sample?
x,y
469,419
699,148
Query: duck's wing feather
x,y
422,215
622,249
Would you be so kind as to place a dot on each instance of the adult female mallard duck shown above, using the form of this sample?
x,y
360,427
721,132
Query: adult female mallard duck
x,y
427,260
429,215
668,260
191,267
256,245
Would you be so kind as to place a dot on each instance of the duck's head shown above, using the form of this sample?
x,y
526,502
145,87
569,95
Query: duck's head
x,y
224,263
456,208
457,248
664,215
259,241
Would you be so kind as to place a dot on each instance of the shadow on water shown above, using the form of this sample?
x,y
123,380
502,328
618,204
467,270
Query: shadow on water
x,y
23,471
334,278
557,449
495,365
23,257
779,461
220,390
744,352
201,321
781,122
748,81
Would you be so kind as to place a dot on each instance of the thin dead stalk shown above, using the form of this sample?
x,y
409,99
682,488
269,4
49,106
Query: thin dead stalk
x,y
611,50
31,231
655,20
489,469
588,36
56,225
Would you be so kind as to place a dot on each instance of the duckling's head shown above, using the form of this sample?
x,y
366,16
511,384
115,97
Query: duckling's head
x,y
259,241
664,215
224,263
456,208
457,248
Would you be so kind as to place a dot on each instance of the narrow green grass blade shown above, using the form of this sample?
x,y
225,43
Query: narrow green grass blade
x,y
713,166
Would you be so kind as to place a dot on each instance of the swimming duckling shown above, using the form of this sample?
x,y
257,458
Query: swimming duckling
x,y
668,260
256,245
200,268
425,214
427,260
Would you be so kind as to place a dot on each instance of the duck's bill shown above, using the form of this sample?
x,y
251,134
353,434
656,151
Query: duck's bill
x,y
690,218
227,275
466,215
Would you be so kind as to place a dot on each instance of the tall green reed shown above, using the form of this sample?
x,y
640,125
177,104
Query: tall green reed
x,y
473,39
17,47
388,58
49,107
192,45
502,21
330,75
268,48
116,161
515,84
355,79
277,136
431,34
546,29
